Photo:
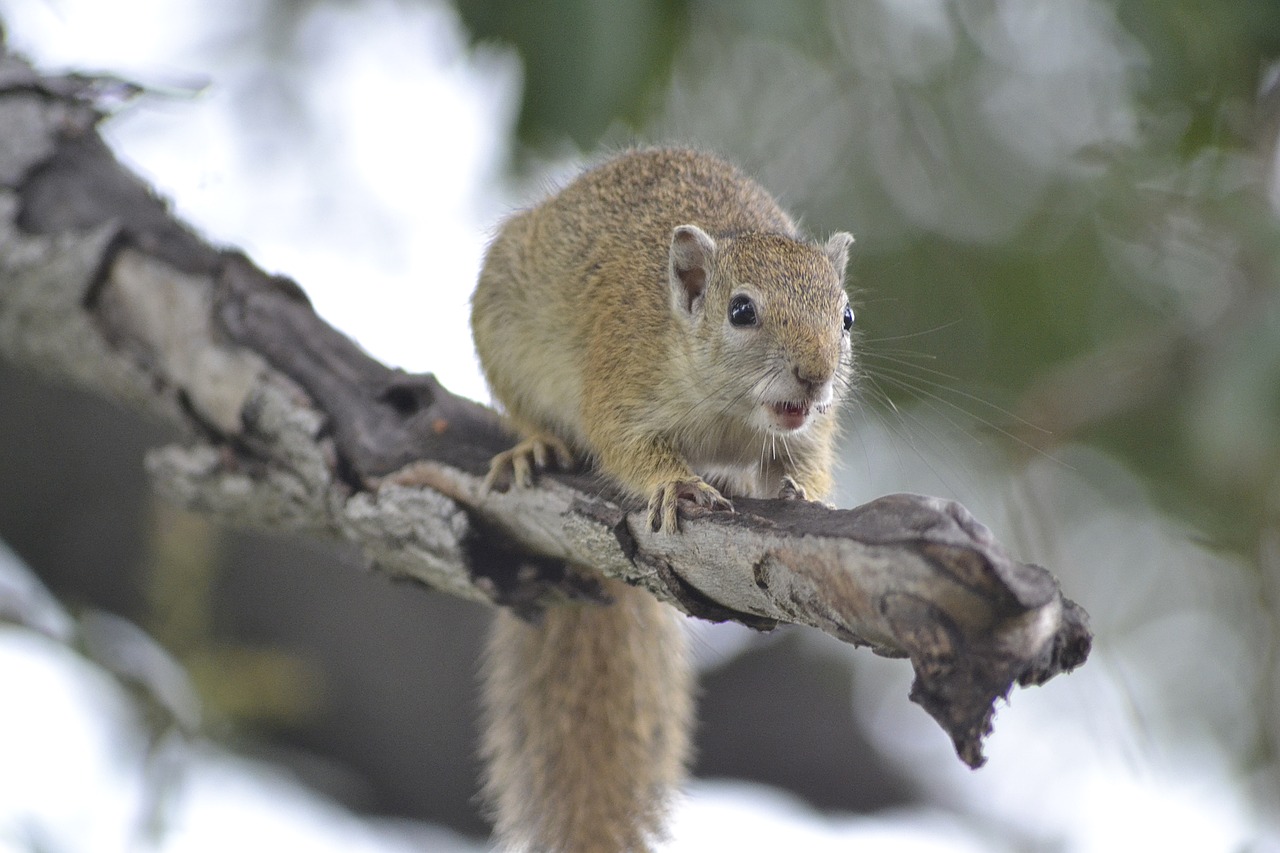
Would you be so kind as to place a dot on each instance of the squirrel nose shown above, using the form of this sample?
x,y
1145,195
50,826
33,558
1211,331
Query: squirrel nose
x,y
813,377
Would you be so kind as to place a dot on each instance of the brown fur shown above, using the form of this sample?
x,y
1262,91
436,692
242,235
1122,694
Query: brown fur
x,y
601,326
583,752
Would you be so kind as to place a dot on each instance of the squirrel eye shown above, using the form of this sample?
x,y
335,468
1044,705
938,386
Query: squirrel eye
x,y
742,311
848,318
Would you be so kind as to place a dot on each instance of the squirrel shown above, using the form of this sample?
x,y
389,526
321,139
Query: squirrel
x,y
661,319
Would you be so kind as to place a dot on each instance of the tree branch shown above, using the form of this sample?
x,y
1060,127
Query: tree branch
x,y
288,424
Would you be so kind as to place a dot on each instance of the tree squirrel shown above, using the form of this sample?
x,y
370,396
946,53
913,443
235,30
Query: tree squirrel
x,y
661,319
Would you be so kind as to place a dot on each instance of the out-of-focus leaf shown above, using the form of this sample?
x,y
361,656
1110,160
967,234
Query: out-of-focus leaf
x,y
587,64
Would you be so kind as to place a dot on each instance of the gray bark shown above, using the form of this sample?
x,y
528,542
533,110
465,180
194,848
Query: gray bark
x,y
287,424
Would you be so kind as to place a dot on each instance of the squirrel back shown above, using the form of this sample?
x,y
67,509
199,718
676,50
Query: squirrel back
x,y
597,246
661,318
579,338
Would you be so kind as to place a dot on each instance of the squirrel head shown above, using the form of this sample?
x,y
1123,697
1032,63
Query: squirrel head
x,y
768,321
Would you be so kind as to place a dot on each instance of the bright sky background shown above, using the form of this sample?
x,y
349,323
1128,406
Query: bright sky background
x,y
380,210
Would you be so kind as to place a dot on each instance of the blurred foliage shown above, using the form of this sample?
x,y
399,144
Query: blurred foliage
x,y
1204,55
586,63
1063,209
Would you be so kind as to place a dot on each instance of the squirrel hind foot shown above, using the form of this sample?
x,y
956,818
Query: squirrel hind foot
x,y
683,498
519,465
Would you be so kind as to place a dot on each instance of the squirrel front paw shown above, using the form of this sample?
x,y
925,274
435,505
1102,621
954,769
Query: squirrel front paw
x,y
683,497
791,490
517,466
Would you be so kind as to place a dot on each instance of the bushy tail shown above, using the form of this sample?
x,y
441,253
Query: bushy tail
x,y
587,724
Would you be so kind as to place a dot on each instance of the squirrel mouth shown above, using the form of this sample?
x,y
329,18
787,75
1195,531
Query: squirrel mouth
x,y
790,415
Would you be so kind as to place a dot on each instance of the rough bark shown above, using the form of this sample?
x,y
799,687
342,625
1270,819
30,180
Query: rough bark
x,y
288,424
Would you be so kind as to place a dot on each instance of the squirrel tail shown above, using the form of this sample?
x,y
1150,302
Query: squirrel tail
x,y
587,724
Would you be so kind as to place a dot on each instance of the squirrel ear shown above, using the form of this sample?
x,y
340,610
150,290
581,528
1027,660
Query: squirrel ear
x,y
691,251
837,249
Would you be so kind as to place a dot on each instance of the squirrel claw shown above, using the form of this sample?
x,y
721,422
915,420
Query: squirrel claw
x,y
688,498
518,465
791,490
